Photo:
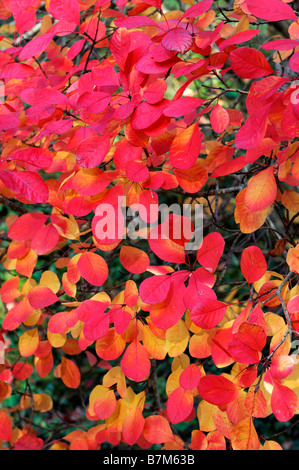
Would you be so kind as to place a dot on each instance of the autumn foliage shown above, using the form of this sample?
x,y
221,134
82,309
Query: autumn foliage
x,y
111,341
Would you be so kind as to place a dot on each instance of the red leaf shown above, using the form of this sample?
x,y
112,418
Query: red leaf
x,y
75,49
36,156
25,227
250,63
17,314
96,320
91,152
16,70
177,39
21,371
283,402
247,344
67,10
147,114
134,22
43,96
155,92
166,243
155,289
135,362
120,46
199,440
179,405
93,268
238,38
190,377
41,296
182,106
208,313
219,119
293,304
281,45
45,239
228,168
166,314
198,9
253,264
105,403
274,10
8,122
185,148
26,183
294,62
217,390
35,46
137,172
9,290
210,251
281,366
253,131
29,442
5,427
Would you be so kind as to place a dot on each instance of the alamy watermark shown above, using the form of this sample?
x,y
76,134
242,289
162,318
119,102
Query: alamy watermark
x,y
295,94
180,223
2,352
295,349
2,92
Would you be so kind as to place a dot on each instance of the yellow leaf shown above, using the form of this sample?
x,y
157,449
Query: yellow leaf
x,y
155,346
28,342
39,402
50,279
293,259
177,338
116,376
173,381
180,362
56,340
243,24
205,412
244,436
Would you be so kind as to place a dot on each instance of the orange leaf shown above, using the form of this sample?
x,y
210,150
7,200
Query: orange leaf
x,y
133,259
70,374
157,430
93,268
261,190
135,363
5,427
244,436
102,401
256,403
199,440
133,425
249,222
186,147
217,390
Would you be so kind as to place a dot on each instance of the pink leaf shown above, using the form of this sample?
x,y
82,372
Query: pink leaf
x,y
177,39
35,46
30,185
